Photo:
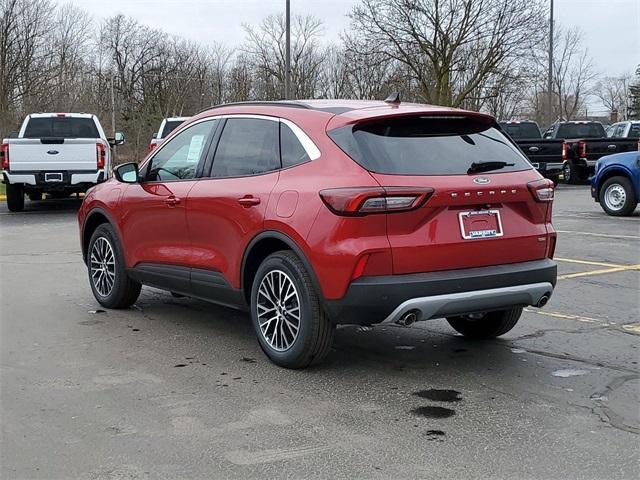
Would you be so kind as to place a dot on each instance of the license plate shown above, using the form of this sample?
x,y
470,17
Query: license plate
x,y
480,224
52,177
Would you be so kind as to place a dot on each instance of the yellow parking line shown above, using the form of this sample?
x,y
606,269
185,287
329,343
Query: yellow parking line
x,y
578,318
588,262
623,268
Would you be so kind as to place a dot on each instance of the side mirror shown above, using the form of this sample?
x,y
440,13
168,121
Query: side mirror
x,y
127,173
118,139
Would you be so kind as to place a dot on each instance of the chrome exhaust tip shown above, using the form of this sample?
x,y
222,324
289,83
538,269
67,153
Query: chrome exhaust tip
x,y
408,318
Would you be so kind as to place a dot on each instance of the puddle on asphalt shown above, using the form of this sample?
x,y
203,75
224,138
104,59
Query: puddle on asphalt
x,y
433,412
568,372
180,365
249,360
439,395
518,350
97,311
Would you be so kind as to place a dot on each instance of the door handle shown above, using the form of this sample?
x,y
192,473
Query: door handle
x,y
249,201
172,201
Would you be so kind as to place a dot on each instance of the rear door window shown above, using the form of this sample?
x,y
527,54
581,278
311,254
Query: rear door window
x,y
634,130
247,146
61,127
427,146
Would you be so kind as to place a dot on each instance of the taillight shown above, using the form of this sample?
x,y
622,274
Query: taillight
x,y
542,190
582,149
152,146
565,151
551,245
4,156
368,200
101,152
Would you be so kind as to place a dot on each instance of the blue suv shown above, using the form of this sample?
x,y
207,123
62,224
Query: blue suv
x,y
616,183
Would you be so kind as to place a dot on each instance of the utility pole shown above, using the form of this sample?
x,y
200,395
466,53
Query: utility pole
x,y
287,63
550,73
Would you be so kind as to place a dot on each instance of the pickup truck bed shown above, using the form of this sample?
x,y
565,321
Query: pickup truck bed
x,y
582,154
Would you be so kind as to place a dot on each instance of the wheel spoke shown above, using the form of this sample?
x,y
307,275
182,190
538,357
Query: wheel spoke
x,y
102,266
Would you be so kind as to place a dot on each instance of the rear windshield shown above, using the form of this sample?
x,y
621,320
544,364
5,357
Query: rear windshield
x,y
581,130
521,130
61,127
634,131
170,126
427,146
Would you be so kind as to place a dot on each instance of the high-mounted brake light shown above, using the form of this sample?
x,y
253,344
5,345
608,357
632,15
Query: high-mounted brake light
x,y
4,156
369,200
542,190
101,153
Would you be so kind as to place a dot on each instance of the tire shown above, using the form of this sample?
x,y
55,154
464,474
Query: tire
x,y
491,325
570,173
15,197
35,196
123,291
617,197
289,348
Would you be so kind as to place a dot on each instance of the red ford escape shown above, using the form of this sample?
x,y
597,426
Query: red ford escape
x,y
316,213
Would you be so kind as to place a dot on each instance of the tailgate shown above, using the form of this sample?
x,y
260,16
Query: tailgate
x,y
447,232
53,154
608,146
539,151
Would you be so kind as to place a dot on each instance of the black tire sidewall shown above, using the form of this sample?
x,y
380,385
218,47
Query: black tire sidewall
x,y
15,197
307,328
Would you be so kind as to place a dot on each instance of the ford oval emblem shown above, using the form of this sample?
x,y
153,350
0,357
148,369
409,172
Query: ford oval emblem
x,y
481,180
53,152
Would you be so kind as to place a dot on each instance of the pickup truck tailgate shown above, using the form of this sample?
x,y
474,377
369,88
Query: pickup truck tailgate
x,y
28,154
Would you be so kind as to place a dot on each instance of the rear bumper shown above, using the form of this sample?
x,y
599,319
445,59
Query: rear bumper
x,y
55,180
372,300
550,168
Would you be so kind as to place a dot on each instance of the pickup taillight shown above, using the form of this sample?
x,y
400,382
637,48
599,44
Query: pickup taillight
x,y
582,149
101,153
152,146
565,151
4,156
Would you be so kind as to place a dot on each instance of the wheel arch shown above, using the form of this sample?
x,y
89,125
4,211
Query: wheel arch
x,y
617,171
95,218
263,245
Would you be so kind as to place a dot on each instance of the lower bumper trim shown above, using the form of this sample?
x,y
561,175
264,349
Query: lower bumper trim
x,y
461,303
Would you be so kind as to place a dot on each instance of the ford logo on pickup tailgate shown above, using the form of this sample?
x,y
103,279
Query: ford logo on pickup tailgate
x,y
53,152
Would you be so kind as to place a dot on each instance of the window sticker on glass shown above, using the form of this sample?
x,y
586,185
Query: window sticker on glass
x,y
195,147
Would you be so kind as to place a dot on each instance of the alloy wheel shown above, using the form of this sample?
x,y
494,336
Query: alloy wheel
x,y
103,266
278,310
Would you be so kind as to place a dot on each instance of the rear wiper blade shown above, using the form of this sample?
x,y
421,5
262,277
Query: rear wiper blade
x,y
487,166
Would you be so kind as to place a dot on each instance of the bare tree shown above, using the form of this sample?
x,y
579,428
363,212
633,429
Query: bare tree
x,y
449,46
613,92
265,49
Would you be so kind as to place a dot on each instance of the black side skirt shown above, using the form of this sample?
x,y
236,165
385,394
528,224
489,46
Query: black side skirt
x,y
207,285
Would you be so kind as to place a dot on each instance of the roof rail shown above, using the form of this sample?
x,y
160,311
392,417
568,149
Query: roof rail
x,y
276,103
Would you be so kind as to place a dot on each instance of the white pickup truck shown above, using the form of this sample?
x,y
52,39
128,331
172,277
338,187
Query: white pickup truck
x,y
167,126
55,153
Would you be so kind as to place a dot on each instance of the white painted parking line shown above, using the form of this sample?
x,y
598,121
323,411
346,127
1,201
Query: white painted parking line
x,y
603,235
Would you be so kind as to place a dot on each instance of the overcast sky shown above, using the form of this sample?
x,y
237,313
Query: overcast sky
x,y
611,28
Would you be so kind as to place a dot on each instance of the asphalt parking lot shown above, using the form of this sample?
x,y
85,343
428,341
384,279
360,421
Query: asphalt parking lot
x,y
177,388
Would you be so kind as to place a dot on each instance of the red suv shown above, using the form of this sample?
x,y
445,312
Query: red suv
x,y
322,212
